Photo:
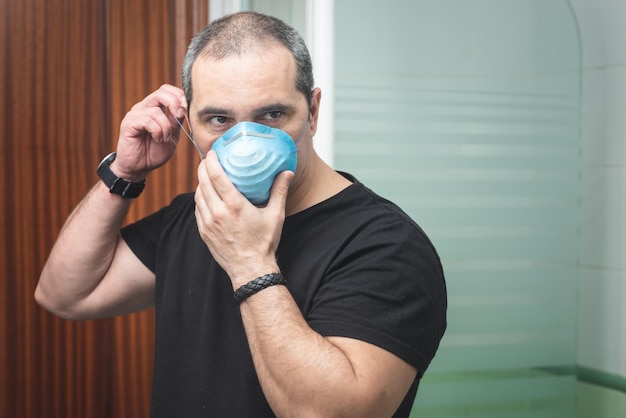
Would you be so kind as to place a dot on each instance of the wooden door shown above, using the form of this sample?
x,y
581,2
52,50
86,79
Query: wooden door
x,y
69,70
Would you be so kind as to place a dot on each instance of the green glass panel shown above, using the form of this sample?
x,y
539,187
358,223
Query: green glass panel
x,y
467,114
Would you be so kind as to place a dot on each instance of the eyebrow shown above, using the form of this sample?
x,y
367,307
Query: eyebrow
x,y
276,107
208,110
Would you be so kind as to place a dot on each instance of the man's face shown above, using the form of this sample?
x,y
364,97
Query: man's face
x,y
258,87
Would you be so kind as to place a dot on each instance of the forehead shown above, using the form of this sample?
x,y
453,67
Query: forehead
x,y
262,75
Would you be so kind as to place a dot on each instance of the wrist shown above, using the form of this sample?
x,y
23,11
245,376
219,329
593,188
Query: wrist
x,y
127,176
244,275
256,285
116,184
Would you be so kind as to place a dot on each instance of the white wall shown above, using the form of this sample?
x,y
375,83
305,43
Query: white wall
x,y
602,308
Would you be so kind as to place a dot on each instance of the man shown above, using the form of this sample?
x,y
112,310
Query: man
x,y
339,297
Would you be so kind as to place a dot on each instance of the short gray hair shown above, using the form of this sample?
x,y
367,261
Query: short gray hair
x,y
237,33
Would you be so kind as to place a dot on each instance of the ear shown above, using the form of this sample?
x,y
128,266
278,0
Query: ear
x,y
314,110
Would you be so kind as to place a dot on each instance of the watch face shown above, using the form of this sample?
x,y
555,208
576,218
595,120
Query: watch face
x,y
108,159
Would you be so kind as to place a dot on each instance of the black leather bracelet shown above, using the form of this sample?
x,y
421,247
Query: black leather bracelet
x,y
258,284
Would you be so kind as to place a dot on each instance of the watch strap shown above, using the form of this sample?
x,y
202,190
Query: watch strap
x,y
116,184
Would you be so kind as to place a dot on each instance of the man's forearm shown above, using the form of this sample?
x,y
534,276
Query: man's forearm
x,y
301,372
83,251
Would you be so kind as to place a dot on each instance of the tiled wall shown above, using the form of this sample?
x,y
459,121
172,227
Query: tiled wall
x,y
602,307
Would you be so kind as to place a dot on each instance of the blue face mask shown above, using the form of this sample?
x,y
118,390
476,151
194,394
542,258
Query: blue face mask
x,y
253,154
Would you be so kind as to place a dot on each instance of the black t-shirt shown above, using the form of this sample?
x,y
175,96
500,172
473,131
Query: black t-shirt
x,y
356,265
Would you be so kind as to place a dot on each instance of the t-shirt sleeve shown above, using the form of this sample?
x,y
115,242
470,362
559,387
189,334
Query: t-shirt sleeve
x,y
143,236
387,288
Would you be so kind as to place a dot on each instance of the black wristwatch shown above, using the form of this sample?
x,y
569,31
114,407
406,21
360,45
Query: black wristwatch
x,y
114,183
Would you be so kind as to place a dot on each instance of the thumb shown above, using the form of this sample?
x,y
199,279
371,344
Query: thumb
x,y
280,188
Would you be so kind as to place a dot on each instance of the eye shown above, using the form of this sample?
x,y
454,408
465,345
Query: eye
x,y
218,121
271,116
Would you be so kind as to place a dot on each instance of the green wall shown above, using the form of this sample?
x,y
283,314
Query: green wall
x,y
600,402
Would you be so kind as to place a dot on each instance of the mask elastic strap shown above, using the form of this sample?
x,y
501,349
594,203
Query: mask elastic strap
x,y
202,154
295,144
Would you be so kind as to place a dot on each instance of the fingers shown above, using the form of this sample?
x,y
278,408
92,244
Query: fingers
x,y
155,115
216,186
240,236
167,97
149,133
206,189
151,121
211,210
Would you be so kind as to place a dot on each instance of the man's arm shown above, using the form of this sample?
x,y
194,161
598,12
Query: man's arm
x,y
91,272
301,372
304,374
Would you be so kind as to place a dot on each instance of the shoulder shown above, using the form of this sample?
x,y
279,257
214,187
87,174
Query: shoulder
x,y
181,202
145,235
367,209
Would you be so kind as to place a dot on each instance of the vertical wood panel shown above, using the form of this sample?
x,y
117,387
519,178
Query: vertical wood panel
x,y
69,70
51,119
148,52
